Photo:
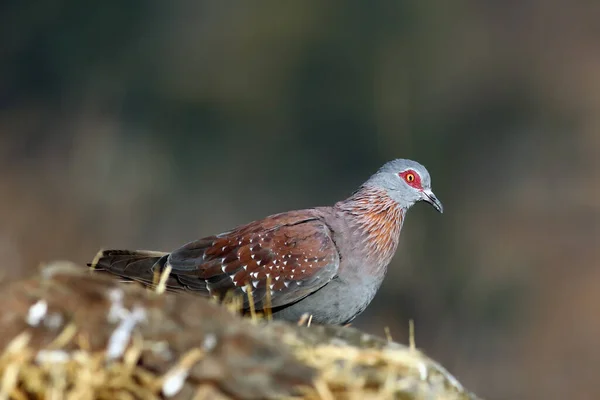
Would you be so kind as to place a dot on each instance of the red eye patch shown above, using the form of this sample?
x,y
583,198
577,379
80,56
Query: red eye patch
x,y
412,178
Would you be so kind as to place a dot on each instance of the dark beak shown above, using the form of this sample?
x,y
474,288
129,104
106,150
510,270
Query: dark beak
x,y
429,197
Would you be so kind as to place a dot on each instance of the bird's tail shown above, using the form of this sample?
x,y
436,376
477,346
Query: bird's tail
x,y
137,265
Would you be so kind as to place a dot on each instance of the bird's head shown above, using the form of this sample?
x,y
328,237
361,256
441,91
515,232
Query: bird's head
x,y
406,182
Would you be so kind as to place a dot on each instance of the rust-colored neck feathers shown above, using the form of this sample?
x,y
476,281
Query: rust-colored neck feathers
x,y
378,220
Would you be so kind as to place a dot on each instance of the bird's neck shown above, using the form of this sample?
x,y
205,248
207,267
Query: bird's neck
x,y
375,220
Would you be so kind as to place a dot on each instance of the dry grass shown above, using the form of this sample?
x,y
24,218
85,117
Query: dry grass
x,y
350,372
81,374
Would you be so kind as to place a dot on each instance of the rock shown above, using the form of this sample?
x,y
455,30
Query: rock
x,y
74,333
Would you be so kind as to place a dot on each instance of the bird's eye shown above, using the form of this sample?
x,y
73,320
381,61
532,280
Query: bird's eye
x,y
412,178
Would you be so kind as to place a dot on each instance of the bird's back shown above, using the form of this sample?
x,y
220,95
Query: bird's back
x,y
280,259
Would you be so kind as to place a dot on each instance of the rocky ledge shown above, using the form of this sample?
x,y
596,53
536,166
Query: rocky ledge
x,y
70,333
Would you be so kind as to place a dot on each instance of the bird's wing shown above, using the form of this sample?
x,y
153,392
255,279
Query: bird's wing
x,y
284,257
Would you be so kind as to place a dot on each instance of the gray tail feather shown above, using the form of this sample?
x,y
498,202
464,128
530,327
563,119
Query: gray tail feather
x,y
137,265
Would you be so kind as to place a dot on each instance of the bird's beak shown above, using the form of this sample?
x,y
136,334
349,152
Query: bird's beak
x,y
429,197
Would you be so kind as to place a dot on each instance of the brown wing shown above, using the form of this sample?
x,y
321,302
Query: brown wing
x,y
291,255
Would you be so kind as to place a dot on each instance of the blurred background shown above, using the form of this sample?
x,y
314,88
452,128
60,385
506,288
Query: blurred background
x,y
146,124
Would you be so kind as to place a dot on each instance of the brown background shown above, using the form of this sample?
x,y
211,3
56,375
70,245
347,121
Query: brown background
x,y
148,124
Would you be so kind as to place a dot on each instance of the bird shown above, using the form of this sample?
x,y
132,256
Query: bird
x,y
326,262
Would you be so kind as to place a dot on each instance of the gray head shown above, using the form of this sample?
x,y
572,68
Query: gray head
x,y
406,182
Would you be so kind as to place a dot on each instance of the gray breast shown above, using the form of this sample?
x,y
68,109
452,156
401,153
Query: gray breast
x,y
338,302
